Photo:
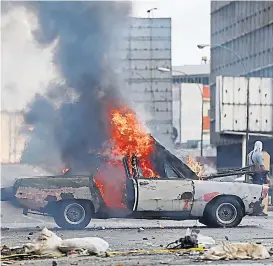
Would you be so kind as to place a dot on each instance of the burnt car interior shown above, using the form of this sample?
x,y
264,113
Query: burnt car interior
x,y
168,165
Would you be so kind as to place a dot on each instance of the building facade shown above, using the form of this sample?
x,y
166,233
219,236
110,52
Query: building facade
x,y
246,28
191,74
12,139
191,82
187,117
147,48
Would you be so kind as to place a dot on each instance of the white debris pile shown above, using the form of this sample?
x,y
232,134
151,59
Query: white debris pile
x,y
93,245
49,243
237,251
202,240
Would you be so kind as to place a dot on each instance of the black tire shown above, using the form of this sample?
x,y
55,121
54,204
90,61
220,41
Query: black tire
x,y
223,212
73,214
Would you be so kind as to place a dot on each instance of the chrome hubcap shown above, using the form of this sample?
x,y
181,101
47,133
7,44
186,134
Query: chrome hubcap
x,y
74,213
226,213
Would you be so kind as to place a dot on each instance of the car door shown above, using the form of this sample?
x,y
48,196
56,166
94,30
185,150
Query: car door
x,y
165,194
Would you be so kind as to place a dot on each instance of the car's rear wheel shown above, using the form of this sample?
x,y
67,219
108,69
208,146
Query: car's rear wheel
x,y
223,212
73,214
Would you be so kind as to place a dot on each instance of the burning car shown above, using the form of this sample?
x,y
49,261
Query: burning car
x,y
138,177
121,190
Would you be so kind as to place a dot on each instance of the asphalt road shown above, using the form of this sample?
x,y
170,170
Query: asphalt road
x,y
253,229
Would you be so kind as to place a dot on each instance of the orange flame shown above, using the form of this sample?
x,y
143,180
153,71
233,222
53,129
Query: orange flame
x,y
110,181
195,166
129,137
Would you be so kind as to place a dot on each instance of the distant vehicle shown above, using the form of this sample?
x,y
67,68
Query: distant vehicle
x,y
74,200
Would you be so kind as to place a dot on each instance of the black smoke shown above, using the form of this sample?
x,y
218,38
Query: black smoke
x,y
69,121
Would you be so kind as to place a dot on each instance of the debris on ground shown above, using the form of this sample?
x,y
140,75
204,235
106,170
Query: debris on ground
x,y
49,245
235,251
93,245
189,241
7,251
155,251
205,241
47,242
192,239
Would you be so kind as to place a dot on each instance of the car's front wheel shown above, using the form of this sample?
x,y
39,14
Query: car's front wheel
x,y
223,212
73,214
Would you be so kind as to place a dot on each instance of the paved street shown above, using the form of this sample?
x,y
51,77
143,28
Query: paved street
x,y
122,235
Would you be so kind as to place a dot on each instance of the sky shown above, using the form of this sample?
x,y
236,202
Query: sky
x,y
27,69
190,26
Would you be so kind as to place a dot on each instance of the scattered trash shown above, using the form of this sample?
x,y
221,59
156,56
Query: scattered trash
x,y
205,241
189,241
234,251
153,251
94,245
47,242
7,251
140,229
8,262
49,245
145,238
192,239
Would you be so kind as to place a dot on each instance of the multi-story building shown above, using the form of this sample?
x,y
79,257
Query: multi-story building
x,y
191,82
191,74
246,28
147,48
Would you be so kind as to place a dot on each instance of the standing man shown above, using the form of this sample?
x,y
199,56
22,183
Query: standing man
x,y
255,159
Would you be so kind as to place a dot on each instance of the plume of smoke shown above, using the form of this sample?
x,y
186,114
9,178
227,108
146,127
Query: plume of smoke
x,y
69,120
26,68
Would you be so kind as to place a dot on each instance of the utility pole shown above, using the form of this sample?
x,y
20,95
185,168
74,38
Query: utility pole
x,y
149,11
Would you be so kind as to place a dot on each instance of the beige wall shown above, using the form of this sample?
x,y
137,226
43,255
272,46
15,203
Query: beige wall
x,y
12,139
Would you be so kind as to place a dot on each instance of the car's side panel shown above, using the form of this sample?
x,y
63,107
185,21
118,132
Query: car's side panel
x,y
164,195
37,193
205,191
